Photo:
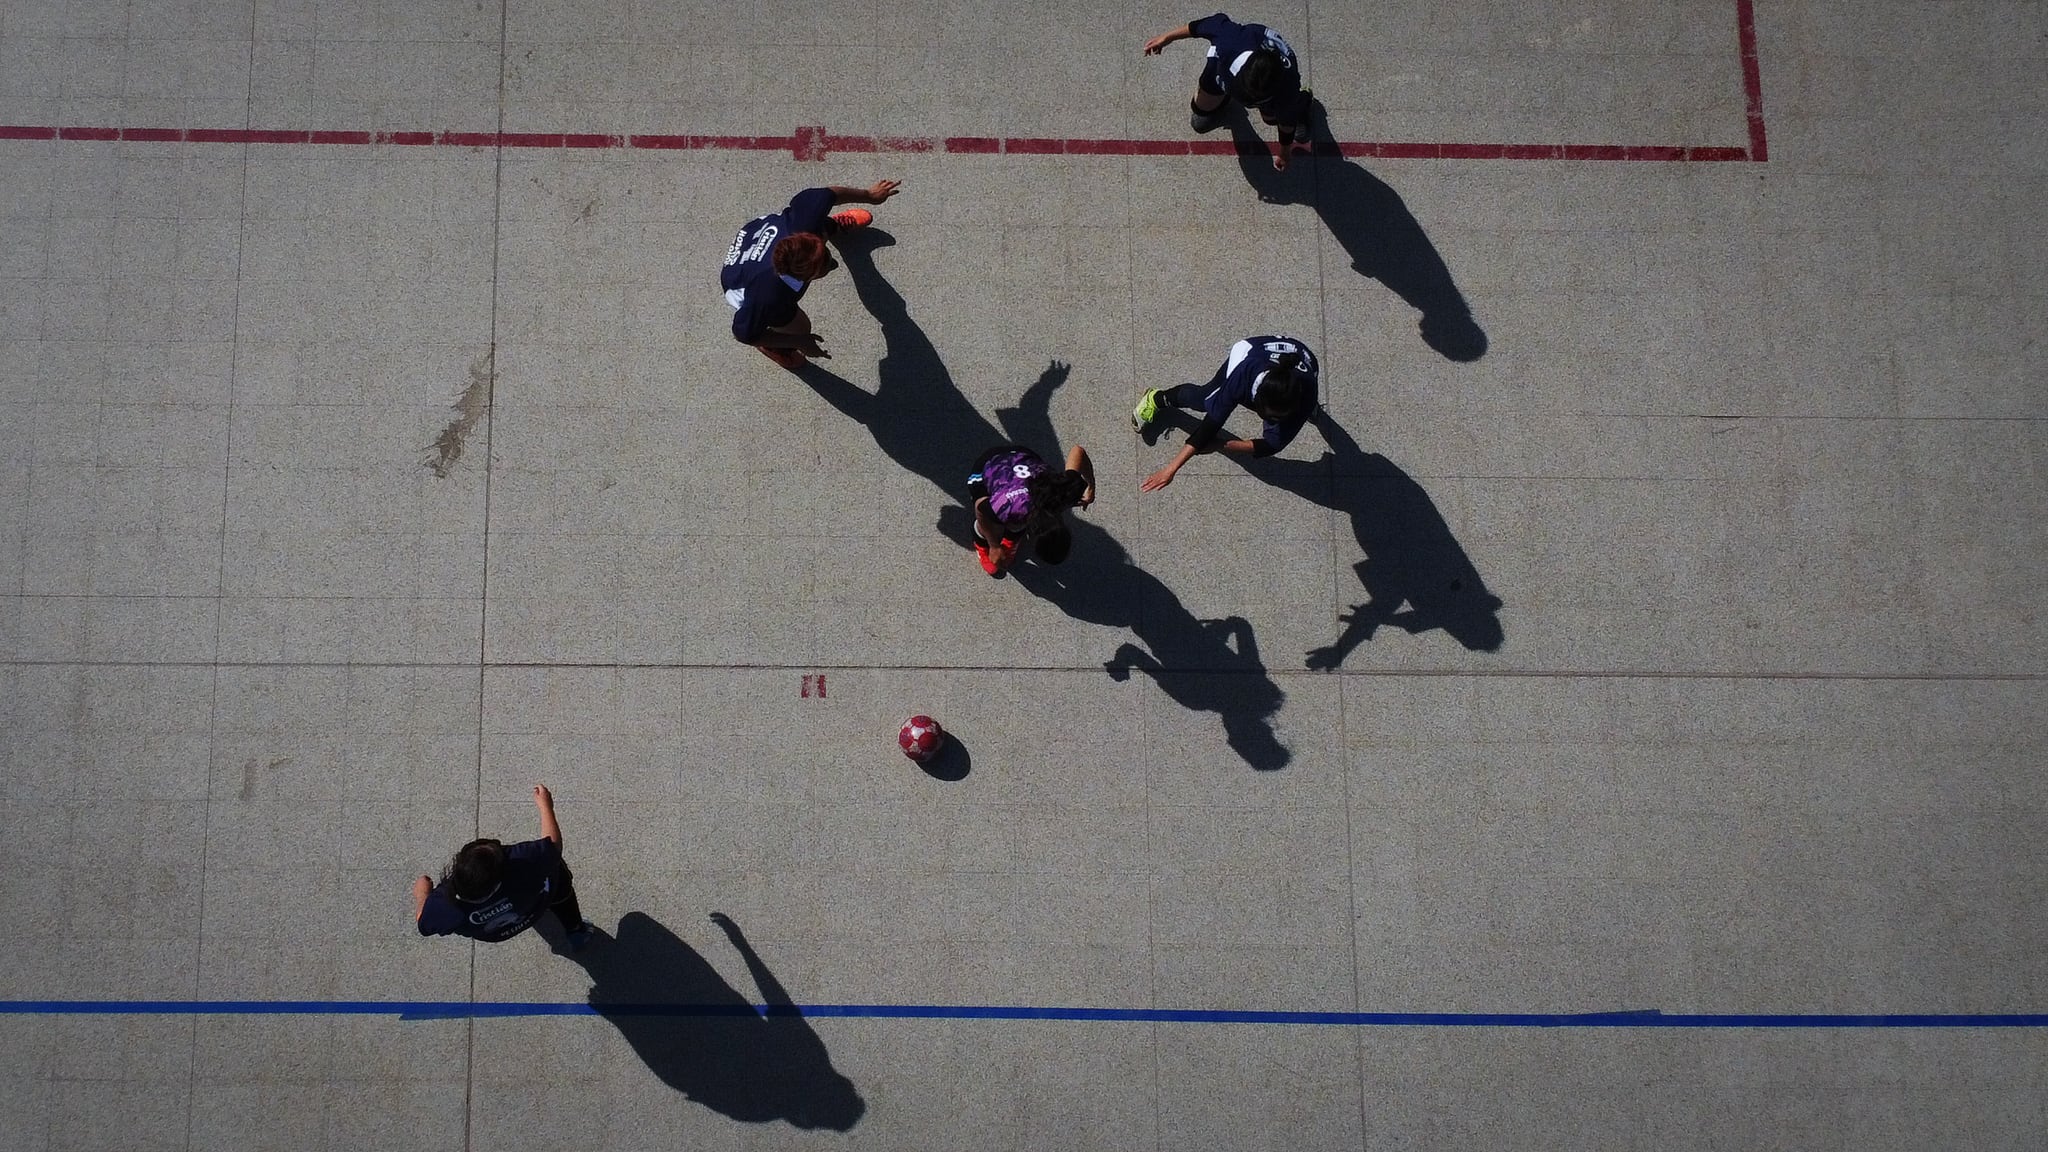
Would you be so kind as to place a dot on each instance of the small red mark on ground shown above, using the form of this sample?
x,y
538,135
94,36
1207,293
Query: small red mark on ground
x,y
809,143
817,681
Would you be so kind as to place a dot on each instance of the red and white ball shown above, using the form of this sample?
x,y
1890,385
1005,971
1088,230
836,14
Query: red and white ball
x,y
921,738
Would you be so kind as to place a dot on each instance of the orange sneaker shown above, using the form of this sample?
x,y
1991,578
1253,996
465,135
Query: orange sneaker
x,y
789,358
853,219
991,562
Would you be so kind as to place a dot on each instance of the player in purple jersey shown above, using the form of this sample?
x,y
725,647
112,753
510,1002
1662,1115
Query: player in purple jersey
x,y
1019,500
774,259
1251,63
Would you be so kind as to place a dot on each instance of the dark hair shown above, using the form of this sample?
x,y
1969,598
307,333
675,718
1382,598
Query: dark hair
x,y
1260,74
1051,494
801,255
1283,392
476,869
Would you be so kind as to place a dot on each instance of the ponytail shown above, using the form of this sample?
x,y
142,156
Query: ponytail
x,y
1283,389
1051,494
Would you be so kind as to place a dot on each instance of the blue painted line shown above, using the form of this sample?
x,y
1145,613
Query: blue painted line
x,y
487,1009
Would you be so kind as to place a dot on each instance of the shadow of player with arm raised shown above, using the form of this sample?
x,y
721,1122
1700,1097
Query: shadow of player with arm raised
x,y
705,1040
1202,665
1417,576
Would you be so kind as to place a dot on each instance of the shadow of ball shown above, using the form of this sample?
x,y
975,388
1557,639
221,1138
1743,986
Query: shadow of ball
x,y
951,762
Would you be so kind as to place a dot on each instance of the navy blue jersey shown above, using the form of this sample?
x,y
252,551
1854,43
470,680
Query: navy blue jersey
x,y
761,299
1237,383
1231,45
532,878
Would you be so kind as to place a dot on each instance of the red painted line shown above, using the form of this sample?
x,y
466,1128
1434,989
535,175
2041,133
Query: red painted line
x,y
747,143
815,144
1752,80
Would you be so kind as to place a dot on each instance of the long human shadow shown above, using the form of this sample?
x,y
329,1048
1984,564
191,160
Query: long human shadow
x,y
1202,665
1368,219
706,1040
918,416
1416,575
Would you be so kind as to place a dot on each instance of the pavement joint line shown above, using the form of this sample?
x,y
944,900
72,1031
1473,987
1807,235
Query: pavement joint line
x,y
1395,673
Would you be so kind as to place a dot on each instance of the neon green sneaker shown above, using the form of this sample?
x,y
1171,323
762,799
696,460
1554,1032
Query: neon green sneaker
x,y
1147,410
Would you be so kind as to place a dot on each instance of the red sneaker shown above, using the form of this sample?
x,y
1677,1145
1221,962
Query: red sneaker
x,y
853,219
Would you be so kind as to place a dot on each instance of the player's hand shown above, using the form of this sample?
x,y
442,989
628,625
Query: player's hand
x,y
1153,46
883,189
542,797
1157,480
813,347
1088,497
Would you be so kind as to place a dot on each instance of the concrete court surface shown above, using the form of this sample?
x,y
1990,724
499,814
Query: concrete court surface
x,y
1736,706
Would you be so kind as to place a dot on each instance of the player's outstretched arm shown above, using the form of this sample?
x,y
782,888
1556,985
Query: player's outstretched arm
x,y
420,888
1164,476
1160,41
1078,461
874,193
544,801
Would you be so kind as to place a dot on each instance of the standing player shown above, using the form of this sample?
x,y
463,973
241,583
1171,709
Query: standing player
x,y
1020,501
774,259
1247,62
1274,376
494,892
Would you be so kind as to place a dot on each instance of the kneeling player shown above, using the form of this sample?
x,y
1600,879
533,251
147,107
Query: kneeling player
x,y
774,259
1274,376
1020,501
